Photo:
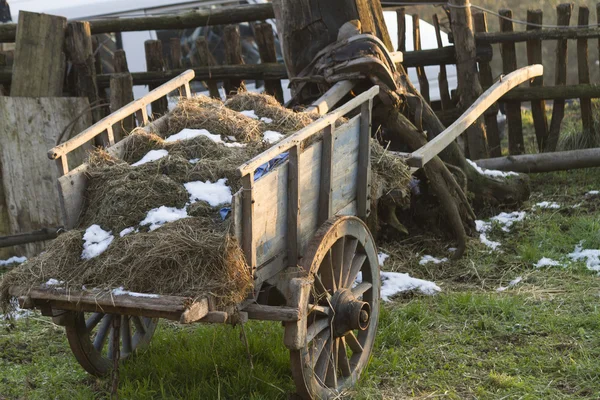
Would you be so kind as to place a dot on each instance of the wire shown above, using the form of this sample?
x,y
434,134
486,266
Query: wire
x,y
516,21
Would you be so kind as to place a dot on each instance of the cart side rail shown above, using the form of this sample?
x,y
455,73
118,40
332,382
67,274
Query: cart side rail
x,y
276,215
137,107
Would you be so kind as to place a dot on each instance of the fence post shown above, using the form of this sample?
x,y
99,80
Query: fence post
x,y
563,12
268,54
401,21
534,56
121,94
205,59
155,62
233,56
422,77
487,80
443,76
120,61
469,87
583,69
175,52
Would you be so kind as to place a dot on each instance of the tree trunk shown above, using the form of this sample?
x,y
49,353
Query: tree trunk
x,y
307,26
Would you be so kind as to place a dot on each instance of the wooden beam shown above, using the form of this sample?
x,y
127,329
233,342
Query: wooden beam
x,y
545,162
541,34
330,98
39,64
554,92
272,313
30,237
420,157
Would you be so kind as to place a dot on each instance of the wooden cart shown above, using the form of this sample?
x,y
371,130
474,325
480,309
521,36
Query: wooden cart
x,y
302,231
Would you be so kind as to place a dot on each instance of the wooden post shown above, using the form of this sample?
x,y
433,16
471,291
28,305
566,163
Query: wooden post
x,y
233,56
598,24
534,56
96,50
205,59
4,90
583,68
78,45
443,76
265,39
155,62
120,61
401,21
469,87
4,12
563,12
39,64
121,94
423,82
516,143
487,80
175,52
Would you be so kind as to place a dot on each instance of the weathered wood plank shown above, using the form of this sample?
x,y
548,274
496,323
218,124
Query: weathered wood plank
x,y
420,157
233,56
401,23
421,76
121,94
268,54
325,204
545,162
39,64
330,98
443,76
534,56
205,59
293,206
583,69
155,62
31,127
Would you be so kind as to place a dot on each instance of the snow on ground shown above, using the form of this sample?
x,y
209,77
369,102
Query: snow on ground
x,y
547,262
506,220
547,204
272,136
187,133
18,312
249,114
266,120
381,257
491,172
430,259
52,282
122,292
95,241
126,231
591,257
593,193
157,217
13,260
152,155
510,284
213,193
194,161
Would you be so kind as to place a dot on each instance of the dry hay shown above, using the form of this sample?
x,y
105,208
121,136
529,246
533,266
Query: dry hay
x,y
194,256
390,172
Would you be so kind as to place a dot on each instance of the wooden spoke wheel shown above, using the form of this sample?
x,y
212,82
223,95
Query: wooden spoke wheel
x,y
92,336
342,309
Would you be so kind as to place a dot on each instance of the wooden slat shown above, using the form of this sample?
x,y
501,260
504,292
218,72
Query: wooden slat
x,y
156,63
326,192
443,76
401,23
534,56
563,12
333,96
514,122
421,76
266,48
420,157
233,56
305,133
293,209
248,240
205,59
129,109
272,313
363,186
583,69
487,80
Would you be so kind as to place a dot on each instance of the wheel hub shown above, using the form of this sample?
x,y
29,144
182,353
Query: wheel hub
x,y
350,313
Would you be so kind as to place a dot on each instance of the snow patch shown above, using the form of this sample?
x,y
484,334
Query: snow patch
x,y
213,193
510,284
272,136
547,262
591,257
152,155
157,217
126,231
430,259
194,161
17,313
96,241
381,257
122,292
489,243
52,282
186,134
547,204
13,260
491,172
266,120
393,283
593,193
506,220
249,114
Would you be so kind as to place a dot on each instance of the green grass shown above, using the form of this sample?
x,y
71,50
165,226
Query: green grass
x,y
539,339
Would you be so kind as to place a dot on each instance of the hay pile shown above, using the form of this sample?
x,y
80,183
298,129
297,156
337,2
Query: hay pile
x,y
193,256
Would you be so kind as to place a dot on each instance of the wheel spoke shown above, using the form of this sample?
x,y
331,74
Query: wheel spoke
x,y
337,258
320,369
357,263
327,275
139,326
317,346
349,252
361,288
100,339
126,335
315,328
320,290
342,359
92,321
331,378
319,309
353,343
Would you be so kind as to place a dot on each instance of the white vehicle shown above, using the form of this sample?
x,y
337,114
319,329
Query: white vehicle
x,y
133,42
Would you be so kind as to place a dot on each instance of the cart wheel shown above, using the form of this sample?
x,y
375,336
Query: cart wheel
x,y
341,315
89,333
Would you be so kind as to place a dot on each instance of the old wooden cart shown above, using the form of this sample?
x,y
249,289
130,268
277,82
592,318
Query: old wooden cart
x,y
302,231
